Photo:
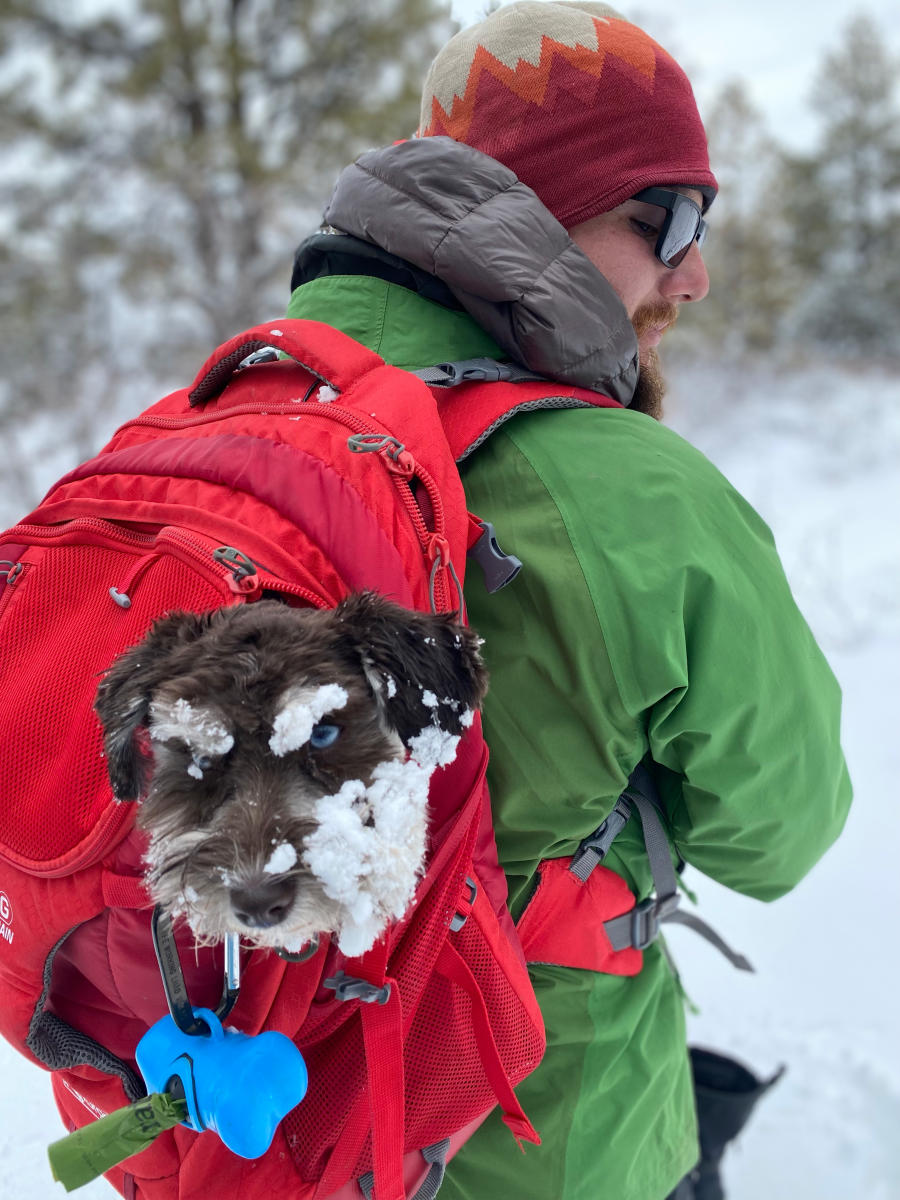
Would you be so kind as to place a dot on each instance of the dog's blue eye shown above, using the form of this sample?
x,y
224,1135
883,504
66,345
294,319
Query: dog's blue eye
x,y
323,736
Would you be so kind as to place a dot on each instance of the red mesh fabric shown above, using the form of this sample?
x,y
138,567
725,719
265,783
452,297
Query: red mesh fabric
x,y
55,799
336,1060
445,1081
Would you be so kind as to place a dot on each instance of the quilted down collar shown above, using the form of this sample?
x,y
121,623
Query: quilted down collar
x,y
466,219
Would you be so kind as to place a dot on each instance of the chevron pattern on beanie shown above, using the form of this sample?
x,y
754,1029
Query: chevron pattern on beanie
x,y
581,104
524,63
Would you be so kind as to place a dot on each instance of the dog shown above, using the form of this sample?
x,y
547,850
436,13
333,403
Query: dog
x,y
281,758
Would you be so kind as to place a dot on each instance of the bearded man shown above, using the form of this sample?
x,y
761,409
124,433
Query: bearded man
x,y
550,215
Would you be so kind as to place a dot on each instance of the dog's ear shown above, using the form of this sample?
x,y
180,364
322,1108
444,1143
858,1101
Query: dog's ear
x,y
124,695
425,669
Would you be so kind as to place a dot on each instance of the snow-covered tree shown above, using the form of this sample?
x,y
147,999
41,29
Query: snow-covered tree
x,y
163,158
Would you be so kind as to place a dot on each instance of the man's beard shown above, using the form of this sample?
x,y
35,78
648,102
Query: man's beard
x,y
651,386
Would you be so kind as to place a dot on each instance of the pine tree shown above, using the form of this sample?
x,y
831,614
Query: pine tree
x,y
165,158
844,201
749,288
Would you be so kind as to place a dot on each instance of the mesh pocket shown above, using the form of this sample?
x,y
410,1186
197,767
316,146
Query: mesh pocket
x,y
445,1082
59,631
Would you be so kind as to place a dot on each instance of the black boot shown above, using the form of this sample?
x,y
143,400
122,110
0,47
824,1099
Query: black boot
x,y
726,1093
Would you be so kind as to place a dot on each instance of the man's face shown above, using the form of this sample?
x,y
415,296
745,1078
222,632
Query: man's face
x,y
620,243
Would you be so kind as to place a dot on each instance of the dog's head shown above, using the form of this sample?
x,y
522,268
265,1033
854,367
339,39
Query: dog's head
x,y
282,758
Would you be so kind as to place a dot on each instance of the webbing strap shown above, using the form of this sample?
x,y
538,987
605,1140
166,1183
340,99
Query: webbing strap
x,y
436,1157
383,1037
472,370
641,794
665,882
639,926
453,966
379,1105
706,931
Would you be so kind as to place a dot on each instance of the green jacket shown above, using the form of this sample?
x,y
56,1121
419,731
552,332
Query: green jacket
x,y
651,615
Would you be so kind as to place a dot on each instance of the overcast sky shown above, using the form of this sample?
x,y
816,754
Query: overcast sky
x,y
775,46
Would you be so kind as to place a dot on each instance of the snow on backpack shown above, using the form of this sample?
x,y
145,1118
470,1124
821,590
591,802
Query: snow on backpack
x,y
304,475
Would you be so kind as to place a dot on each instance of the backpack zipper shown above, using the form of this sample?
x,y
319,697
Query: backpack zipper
x,y
402,466
209,558
11,573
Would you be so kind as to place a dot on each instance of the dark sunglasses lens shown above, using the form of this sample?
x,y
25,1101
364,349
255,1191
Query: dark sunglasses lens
x,y
684,223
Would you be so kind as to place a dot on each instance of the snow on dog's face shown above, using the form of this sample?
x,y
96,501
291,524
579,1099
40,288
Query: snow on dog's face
x,y
282,757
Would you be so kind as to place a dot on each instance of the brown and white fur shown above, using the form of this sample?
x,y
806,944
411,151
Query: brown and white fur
x,y
219,724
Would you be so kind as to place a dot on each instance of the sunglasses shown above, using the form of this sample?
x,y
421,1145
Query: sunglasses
x,y
682,226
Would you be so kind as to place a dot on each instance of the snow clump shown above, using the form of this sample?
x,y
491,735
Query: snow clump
x,y
200,729
301,709
368,850
282,858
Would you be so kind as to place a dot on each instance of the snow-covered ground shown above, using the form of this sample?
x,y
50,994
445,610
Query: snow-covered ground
x,y
817,453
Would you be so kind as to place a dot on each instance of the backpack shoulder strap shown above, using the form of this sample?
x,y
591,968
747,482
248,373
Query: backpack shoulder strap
x,y
640,925
478,396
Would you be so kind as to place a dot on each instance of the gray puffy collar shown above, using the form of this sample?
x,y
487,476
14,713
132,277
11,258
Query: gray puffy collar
x,y
465,218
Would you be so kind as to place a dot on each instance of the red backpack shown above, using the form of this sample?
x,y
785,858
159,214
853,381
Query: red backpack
x,y
338,473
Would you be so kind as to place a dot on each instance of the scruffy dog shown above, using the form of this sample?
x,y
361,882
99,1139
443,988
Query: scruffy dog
x,y
282,758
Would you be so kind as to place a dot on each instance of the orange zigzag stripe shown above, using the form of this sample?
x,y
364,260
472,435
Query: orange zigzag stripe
x,y
529,82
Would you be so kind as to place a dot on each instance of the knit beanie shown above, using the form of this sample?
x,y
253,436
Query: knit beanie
x,y
582,105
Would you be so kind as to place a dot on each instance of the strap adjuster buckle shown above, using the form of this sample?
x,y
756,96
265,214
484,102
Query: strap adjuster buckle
x,y
348,987
598,843
459,919
646,917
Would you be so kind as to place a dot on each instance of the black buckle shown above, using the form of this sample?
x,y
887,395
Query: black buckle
x,y
605,834
347,987
499,568
472,370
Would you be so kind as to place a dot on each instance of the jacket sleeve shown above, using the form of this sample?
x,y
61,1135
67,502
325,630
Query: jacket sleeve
x,y
742,711
697,649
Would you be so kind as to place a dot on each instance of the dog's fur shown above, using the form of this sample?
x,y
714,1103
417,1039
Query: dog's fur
x,y
208,722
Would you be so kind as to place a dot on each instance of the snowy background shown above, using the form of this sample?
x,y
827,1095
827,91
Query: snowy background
x,y
816,452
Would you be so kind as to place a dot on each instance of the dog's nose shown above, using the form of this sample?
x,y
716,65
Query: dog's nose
x,y
265,904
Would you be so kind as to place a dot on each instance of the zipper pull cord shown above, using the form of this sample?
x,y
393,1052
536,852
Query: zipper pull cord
x,y
243,577
12,572
121,595
439,553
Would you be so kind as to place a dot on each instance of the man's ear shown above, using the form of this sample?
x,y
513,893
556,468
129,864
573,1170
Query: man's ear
x,y
124,695
425,669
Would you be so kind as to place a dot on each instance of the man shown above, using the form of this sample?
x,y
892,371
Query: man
x,y
550,214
